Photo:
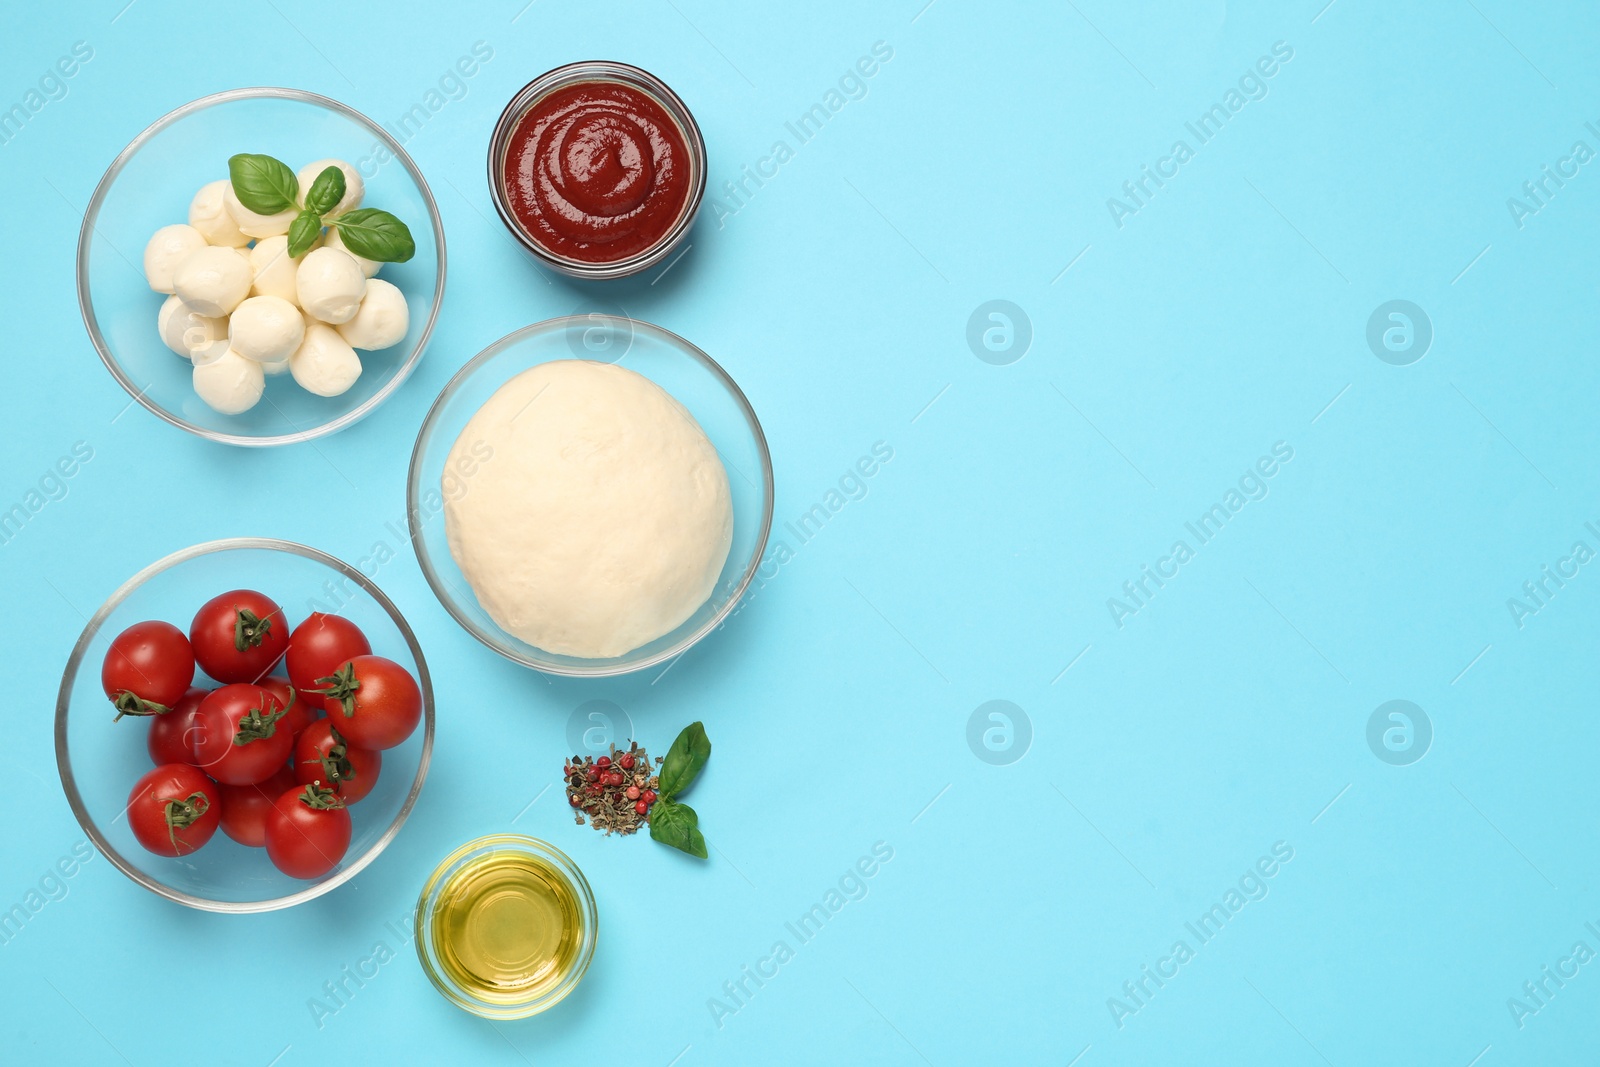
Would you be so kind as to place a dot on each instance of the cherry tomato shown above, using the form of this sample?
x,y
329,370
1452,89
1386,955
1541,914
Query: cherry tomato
x,y
171,736
174,809
299,705
308,832
321,755
319,646
238,738
245,807
147,668
239,636
374,702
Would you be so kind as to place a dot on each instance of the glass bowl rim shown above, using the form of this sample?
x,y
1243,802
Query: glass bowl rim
x,y
91,215
604,669
598,70
527,844
75,662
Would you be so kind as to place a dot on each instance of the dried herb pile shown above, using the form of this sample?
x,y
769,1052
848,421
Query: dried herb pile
x,y
615,791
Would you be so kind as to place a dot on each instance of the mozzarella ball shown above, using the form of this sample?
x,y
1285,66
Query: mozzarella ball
x,y
381,321
353,187
330,285
369,267
272,370
212,281
185,330
231,384
266,329
209,214
273,269
324,364
168,247
254,225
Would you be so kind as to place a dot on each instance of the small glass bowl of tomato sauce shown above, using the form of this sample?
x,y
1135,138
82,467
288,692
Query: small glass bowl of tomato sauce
x,y
597,168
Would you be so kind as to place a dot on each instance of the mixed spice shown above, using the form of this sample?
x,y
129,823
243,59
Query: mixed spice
x,y
615,791
622,792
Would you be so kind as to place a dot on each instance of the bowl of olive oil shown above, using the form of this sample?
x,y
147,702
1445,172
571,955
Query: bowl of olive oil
x,y
506,926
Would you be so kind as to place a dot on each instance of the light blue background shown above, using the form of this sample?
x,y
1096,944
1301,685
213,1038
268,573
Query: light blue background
x,y
1227,715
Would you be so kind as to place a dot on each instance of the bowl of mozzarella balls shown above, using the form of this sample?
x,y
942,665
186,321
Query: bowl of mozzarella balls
x,y
261,266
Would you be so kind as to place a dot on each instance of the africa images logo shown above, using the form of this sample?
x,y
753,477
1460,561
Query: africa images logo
x,y
1399,733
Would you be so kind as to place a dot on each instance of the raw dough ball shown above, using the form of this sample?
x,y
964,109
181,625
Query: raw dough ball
x,y
253,225
231,384
381,321
208,213
213,280
185,330
369,267
330,283
353,187
324,364
587,509
273,269
266,329
168,247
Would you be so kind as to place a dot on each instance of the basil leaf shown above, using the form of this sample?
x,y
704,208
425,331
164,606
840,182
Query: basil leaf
x,y
263,184
326,192
684,760
375,235
678,826
303,233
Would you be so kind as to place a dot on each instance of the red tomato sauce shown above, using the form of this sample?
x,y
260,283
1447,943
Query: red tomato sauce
x,y
597,172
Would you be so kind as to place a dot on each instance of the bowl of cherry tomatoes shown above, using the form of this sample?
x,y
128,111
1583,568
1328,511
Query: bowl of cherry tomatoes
x,y
244,725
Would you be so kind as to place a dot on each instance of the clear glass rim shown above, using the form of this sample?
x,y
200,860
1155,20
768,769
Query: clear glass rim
x,y
64,704
423,933
572,74
603,668
91,215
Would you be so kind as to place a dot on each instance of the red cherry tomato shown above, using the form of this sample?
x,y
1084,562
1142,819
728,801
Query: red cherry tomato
x,y
174,809
245,807
298,704
147,668
171,736
239,636
374,702
238,737
319,646
308,832
321,755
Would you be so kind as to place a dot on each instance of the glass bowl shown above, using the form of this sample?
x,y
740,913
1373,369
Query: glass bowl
x,y
511,907
99,759
149,185
690,376
598,71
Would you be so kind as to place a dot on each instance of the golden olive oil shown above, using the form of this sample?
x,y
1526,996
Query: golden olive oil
x,y
507,927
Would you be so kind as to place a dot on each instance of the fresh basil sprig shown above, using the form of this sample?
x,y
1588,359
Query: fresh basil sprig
x,y
684,759
375,235
672,823
263,184
326,192
267,186
677,825
303,233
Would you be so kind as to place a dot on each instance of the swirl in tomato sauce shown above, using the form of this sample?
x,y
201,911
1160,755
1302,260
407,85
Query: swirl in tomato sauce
x,y
597,172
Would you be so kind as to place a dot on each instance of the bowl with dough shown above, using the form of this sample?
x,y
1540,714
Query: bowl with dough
x,y
161,179
590,495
